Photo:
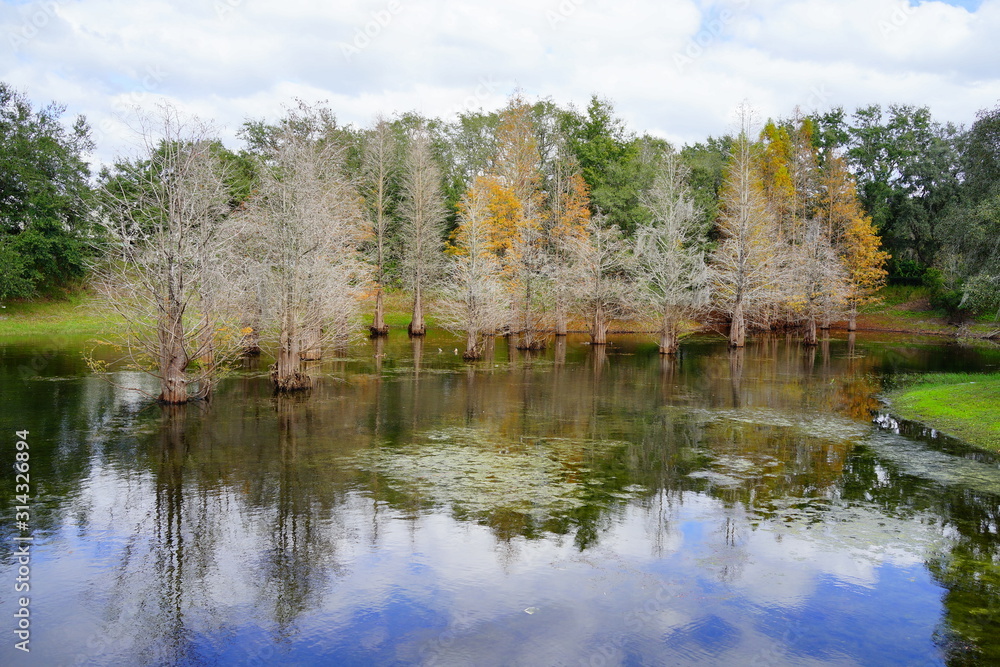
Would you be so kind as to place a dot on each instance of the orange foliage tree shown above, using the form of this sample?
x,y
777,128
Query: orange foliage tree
x,y
516,221
854,235
569,206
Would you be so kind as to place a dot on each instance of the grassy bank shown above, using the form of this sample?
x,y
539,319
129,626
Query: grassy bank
x,y
963,405
907,309
902,310
73,314
77,313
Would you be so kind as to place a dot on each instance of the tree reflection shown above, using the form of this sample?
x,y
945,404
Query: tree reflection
x,y
969,569
562,444
297,562
737,358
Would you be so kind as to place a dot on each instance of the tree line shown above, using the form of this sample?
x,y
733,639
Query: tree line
x,y
527,221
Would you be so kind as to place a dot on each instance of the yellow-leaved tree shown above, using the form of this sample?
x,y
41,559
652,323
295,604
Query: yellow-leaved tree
x,y
854,236
474,301
746,267
569,215
816,278
516,222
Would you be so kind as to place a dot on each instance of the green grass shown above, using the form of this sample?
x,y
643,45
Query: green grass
x,y
964,405
398,310
75,313
898,295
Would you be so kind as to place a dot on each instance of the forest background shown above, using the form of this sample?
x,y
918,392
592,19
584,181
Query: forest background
x,y
525,221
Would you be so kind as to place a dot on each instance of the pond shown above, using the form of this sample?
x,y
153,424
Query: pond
x,y
578,506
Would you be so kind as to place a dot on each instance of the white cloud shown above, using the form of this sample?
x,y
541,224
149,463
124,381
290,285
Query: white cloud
x,y
675,68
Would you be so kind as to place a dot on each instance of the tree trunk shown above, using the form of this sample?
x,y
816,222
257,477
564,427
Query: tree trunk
x,y
852,321
173,384
206,343
530,340
206,348
811,339
340,328
825,326
599,330
738,327
471,347
286,374
173,357
252,346
669,341
311,346
379,327
562,324
417,326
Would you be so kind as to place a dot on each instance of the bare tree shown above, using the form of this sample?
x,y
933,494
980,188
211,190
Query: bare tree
x,y
746,267
380,158
304,228
170,285
530,287
672,272
474,300
817,282
569,213
423,224
604,277
518,232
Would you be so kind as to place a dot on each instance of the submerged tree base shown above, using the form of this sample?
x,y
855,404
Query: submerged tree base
x,y
290,383
378,332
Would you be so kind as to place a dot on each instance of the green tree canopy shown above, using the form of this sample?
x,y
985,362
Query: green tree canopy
x,y
44,196
610,157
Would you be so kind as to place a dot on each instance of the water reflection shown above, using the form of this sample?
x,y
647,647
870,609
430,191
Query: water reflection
x,y
583,504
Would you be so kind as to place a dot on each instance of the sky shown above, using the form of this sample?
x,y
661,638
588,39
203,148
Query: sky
x,y
675,69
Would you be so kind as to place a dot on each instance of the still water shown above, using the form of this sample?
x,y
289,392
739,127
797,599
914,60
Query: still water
x,y
581,506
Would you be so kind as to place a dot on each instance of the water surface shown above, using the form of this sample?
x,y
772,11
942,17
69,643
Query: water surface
x,y
578,506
